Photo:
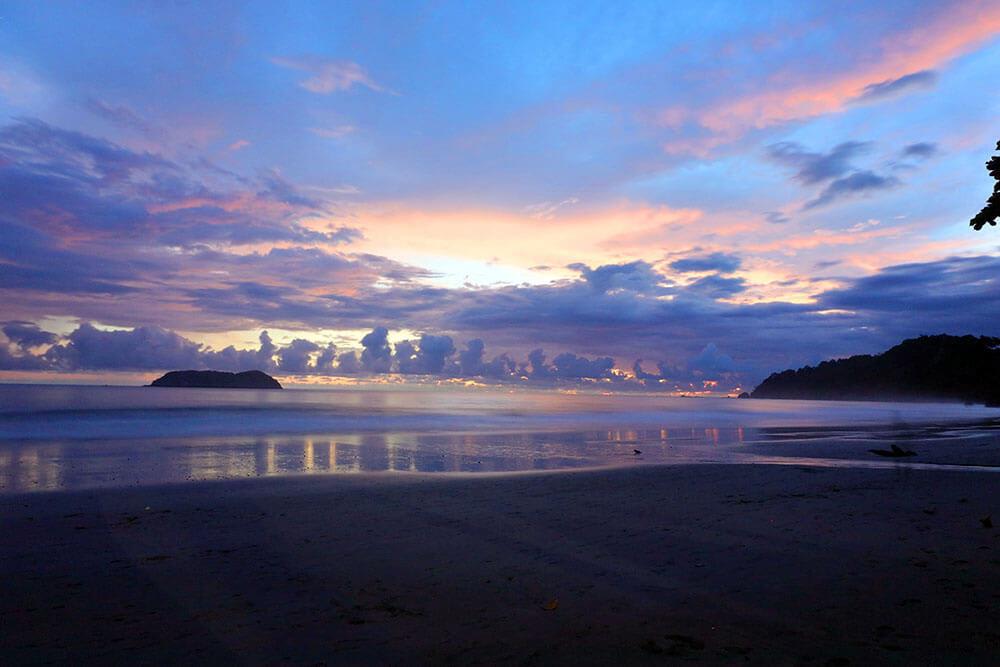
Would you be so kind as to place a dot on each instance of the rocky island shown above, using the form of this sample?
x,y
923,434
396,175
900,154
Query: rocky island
x,y
217,380
943,367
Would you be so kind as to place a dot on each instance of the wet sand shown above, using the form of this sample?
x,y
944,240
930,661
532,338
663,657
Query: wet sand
x,y
707,563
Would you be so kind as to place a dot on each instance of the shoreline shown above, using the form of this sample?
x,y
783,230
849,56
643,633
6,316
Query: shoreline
x,y
57,466
714,563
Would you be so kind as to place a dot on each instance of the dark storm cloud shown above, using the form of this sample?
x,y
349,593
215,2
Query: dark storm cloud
x,y
720,262
860,182
904,84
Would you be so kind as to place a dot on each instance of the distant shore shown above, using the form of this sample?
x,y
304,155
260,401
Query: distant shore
x,y
714,563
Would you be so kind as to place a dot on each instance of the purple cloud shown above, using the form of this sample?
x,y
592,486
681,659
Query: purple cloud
x,y
812,168
921,150
898,86
858,183
26,334
719,262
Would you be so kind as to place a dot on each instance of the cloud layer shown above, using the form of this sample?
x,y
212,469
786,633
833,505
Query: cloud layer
x,y
546,192
745,342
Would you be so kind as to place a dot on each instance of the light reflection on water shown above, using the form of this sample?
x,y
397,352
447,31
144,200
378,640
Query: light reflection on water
x,y
55,438
52,465
63,465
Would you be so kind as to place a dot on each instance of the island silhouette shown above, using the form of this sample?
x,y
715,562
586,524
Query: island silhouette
x,y
217,380
942,367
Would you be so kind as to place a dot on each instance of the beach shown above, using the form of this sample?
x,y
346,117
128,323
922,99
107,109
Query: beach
x,y
719,564
517,333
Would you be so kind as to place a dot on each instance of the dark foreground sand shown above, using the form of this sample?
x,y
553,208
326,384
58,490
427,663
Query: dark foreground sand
x,y
712,563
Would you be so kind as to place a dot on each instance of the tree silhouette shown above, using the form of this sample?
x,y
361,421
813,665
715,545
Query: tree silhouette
x,y
991,211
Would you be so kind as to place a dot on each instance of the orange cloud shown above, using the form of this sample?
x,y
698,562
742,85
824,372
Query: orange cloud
x,y
822,237
570,234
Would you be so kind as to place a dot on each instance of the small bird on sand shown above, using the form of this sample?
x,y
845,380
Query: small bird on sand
x,y
895,452
987,521
636,452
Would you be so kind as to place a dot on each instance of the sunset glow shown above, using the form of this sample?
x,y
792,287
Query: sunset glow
x,y
719,194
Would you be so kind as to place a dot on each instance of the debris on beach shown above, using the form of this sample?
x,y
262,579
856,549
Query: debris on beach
x,y
987,521
551,605
895,452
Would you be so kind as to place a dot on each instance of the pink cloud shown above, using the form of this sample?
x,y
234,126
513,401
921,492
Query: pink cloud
x,y
801,95
824,238
328,75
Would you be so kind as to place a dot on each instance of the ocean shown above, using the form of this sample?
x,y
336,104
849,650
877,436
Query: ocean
x,y
79,437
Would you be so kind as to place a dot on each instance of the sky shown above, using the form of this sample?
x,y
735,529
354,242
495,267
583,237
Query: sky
x,y
680,196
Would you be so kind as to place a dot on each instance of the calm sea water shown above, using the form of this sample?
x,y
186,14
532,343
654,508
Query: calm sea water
x,y
69,437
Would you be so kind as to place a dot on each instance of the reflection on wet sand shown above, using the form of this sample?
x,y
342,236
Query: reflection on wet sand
x,y
76,464
51,465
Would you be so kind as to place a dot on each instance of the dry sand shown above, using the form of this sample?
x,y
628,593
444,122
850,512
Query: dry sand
x,y
711,563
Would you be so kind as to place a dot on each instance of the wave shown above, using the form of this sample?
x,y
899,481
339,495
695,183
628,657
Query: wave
x,y
85,413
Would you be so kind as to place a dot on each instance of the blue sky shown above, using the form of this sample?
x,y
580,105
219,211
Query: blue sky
x,y
213,170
